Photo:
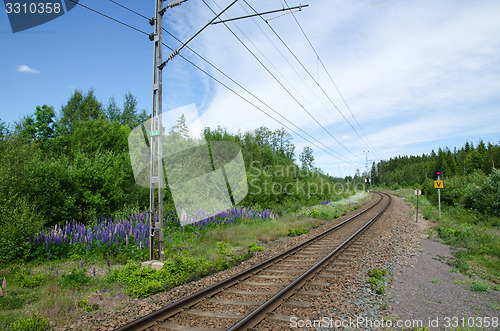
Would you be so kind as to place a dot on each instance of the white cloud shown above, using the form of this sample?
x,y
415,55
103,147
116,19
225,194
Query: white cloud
x,y
26,69
411,72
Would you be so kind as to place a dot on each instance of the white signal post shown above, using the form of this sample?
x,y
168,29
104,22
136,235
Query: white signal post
x,y
417,193
439,199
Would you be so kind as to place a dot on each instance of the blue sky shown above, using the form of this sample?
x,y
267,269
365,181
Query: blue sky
x,y
417,75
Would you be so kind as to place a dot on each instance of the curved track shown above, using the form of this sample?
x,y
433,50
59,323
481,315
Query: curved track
x,y
244,300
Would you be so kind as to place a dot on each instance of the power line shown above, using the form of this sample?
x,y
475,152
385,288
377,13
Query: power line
x,y
175,52
260,100
286,60
130,10
333,82
308,72
111,18
249,102
239,85
281,84
224,85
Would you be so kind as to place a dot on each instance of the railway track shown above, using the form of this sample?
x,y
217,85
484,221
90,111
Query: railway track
x,y
247,299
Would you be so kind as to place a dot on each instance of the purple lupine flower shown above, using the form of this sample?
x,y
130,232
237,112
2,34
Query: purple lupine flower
x,y
108,262
81,264
197,235
57,272
93,272
49,255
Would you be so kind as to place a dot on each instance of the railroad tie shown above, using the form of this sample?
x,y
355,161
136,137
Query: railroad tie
x,y
177,327
215,314
262,284
236,302
248,292
297,304
275,276
309,293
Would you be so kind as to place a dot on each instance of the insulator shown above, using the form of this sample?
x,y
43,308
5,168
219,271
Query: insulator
x,y
175,3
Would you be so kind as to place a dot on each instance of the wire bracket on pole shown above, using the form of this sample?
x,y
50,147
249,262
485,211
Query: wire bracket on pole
x,y
260,14
170,57
175,3
171,5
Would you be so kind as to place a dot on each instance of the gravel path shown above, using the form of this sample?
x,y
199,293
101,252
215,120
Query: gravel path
x,y
425,291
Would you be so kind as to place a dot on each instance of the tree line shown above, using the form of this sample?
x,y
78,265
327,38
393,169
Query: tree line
x,y
75,165
471,175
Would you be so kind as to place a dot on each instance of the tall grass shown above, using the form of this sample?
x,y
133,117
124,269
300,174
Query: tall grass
x,y
475,237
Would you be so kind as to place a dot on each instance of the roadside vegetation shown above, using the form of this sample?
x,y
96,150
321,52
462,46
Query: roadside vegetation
x,y
475,238
73,226
470,202
60,288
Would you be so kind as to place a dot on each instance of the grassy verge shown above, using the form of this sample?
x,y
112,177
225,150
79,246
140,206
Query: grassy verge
x,y
60,289
474,237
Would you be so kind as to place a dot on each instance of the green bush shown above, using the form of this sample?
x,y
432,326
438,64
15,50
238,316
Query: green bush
x,y
224,248
376,280
29,281
328,213
488,195
377,273
34,323
19,220
254,248
11,301
297,232
478,287
76,278
141,282
84,304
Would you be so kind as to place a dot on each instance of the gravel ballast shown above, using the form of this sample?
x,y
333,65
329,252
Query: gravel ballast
x,y
350,303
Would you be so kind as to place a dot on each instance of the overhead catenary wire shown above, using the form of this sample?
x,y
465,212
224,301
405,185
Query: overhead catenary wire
x,y
297,91
247,91
130,10
287,61
308,72
340,157
333,82
175,52
249,102
281,84
224,85
111,18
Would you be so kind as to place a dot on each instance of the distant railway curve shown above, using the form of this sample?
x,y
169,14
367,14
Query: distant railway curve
x,y
244,300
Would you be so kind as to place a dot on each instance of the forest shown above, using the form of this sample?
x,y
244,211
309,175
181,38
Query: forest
x,y
74,165
471,175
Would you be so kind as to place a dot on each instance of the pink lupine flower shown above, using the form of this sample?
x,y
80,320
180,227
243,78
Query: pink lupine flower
x,y
4,283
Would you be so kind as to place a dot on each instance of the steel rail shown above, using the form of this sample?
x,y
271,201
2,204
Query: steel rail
x,y
172,309
256,316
